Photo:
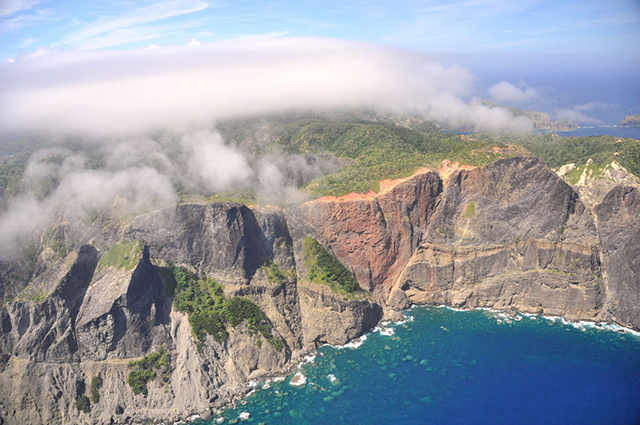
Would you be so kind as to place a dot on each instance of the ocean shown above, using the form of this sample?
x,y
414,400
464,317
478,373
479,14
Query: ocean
x,y
442,366
633,132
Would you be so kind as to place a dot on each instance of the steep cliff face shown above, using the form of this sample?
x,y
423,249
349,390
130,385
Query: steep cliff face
x,y
511,235
374,235
91,314
618,218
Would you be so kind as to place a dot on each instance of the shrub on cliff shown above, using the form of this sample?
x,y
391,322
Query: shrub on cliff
x,y
145,370
325,269
94,387
82,403
210,312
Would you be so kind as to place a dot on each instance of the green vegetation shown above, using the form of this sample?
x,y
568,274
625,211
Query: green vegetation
x,y
36,295
470,211
377,151
94,387
275,274
325,269
593,170
242,196
145,370
82,403
557,151
123,255
210,312
10,175
630,121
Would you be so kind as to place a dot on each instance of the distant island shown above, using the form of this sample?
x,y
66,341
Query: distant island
x,y
541,120
630,121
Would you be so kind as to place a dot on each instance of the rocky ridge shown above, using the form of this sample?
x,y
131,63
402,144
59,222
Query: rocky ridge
x,y
630,121
540,120
510,235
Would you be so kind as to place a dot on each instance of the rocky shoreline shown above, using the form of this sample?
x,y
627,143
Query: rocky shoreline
x,y
510,236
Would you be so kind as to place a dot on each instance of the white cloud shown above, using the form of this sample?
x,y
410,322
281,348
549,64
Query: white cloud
x,y
593,106
213,164
80,192
8,7
131,26
194,42
124,92
507,93
577,116
20,20
27,42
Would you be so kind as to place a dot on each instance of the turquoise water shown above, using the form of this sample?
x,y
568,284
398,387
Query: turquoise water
x,y
450,367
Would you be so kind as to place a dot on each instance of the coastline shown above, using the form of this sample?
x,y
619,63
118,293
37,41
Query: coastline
x,y
386,327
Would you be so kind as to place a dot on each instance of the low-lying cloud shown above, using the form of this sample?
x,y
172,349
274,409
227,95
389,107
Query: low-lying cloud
x,y
74,193
507,93
576,115
115,100
131,92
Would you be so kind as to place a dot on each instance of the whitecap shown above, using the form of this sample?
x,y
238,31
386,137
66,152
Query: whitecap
x,y
309,358
298,380
386,331
353,344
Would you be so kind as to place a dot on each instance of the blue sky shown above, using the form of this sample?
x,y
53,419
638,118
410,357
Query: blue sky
x,y
575,57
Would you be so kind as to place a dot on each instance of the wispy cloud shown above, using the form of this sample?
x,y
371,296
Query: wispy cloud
x,y
9,7
114,30
579,117
27,42
15,22
263,36
594,106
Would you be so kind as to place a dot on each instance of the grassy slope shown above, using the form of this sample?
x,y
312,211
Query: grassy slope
x,y
374,150
557,151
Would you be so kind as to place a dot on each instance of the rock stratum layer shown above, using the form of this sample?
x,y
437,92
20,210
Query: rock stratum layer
x,y
511,235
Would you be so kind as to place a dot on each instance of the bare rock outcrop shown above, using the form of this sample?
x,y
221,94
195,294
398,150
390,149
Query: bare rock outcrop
x,y
510,235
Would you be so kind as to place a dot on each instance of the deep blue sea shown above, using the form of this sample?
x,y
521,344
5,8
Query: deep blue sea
x,y
633,132
462,367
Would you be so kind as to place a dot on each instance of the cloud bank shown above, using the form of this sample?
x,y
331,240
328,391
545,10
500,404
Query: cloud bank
x,y
507,93
117,99
131,92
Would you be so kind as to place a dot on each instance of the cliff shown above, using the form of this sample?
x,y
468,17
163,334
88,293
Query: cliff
x,y
630,121
510,235
540,120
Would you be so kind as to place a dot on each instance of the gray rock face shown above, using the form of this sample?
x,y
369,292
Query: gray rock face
x,y
124,313
44,331
222,240
331,319
619,230
511,235
81,318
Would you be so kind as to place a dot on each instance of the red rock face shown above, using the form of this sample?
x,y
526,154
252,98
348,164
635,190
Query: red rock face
x,y
374,235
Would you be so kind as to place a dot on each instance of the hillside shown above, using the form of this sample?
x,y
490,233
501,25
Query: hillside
x,y
541,120
127,315
630,121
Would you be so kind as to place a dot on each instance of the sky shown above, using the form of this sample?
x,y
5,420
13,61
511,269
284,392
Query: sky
x,y
137,80
577,59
